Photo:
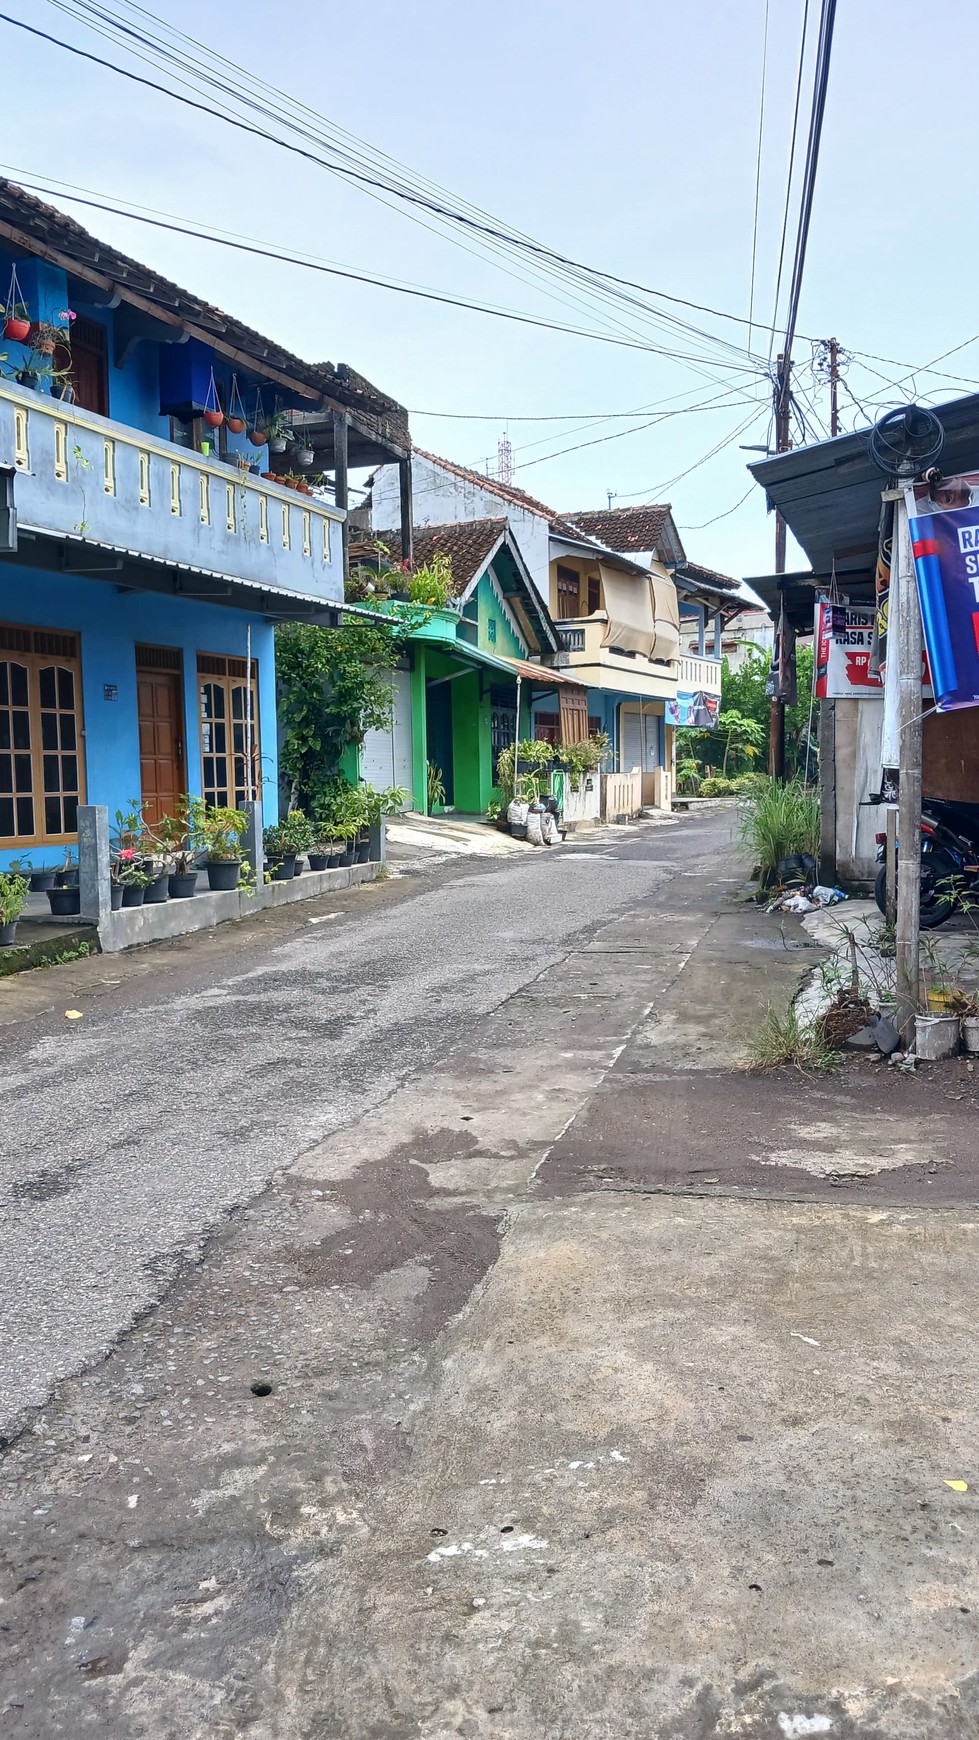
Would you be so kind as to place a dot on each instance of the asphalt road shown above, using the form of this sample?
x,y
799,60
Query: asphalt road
x,y
562,1380
128,1135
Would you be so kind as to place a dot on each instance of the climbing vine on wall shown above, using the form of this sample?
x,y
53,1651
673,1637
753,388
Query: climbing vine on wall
x,y
334,686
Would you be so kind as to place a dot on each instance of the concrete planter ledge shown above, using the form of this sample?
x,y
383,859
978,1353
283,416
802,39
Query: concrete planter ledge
x,y
132,925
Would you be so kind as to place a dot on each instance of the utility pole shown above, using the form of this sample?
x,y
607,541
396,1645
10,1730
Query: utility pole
x,y
776,717
833,347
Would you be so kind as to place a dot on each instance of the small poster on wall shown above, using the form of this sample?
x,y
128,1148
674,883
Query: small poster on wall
x,y
844,642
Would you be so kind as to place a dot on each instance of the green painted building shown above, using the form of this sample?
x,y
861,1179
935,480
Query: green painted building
x,y
468,671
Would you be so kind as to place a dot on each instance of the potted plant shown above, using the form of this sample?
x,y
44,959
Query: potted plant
x,y
130,878
379,803
277,433
220,831
41,878
304,455
17,323
65,899
213,414
281,861
67,876
236,411
298,834
14,890
178,848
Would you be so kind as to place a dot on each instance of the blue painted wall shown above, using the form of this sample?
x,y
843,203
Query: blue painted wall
x,y
110,624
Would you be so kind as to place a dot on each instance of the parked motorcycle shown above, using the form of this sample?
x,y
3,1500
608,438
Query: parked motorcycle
x,y
949,859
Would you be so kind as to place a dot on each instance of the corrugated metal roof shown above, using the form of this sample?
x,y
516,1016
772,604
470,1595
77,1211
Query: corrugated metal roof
x,y
829,493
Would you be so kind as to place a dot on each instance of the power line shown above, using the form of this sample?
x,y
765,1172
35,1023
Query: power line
x,y
654,491
620,434
724,516
824,50
312,265
494,232
761,134
788,183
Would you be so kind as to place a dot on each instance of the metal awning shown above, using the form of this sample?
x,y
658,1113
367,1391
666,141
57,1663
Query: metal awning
x,y
84,559
829,495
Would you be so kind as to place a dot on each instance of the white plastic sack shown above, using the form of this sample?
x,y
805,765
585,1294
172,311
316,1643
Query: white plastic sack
x,y
535,820
827,896
517,812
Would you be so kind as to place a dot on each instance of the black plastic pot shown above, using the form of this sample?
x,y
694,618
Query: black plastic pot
x,y
132,896
299,867
7,934
348,853
66,878
223,874
336,856
65,901
115,896
157,892
184,886
363,851
318,860
283,869
41,881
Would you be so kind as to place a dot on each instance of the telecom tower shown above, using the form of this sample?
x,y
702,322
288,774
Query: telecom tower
x,y
504,460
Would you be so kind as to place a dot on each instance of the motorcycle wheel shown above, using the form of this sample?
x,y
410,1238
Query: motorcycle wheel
x,y
937,869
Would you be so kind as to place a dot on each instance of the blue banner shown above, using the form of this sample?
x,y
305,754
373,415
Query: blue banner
x,y
943,520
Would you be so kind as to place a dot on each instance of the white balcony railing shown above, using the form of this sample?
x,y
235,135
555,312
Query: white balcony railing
x,y
700,673
83,477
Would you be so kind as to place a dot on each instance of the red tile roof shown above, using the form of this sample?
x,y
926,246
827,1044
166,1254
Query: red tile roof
x,y
468,543
633,529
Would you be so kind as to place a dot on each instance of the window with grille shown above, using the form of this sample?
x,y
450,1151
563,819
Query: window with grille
x,y
230,751
567,592
40,737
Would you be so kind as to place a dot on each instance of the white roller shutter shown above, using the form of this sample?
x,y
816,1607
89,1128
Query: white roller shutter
x,y
386,755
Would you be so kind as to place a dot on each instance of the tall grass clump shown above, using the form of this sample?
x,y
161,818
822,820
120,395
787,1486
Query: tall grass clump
x,y
779,820
783,1041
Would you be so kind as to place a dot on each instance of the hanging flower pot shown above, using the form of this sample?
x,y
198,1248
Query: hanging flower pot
x,y
213,414
257,437
278,444
304,456
237,421
16,320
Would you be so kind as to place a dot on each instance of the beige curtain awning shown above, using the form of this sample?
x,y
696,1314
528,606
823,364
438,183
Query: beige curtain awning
x,y
666,610
629,608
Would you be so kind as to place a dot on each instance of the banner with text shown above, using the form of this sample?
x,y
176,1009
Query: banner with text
x,y
944,524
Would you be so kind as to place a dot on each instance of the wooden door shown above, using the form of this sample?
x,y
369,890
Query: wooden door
x,y
159,699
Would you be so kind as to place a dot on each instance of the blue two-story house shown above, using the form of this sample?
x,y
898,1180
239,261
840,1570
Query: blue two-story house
x,y
148,540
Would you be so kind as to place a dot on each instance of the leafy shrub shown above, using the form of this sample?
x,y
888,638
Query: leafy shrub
x,y
717,786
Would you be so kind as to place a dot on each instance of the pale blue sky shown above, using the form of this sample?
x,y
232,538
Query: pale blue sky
x,y
623,135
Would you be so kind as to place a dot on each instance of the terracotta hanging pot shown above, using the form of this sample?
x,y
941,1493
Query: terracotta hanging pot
x,y
236,425
17,330
257,437
213,414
